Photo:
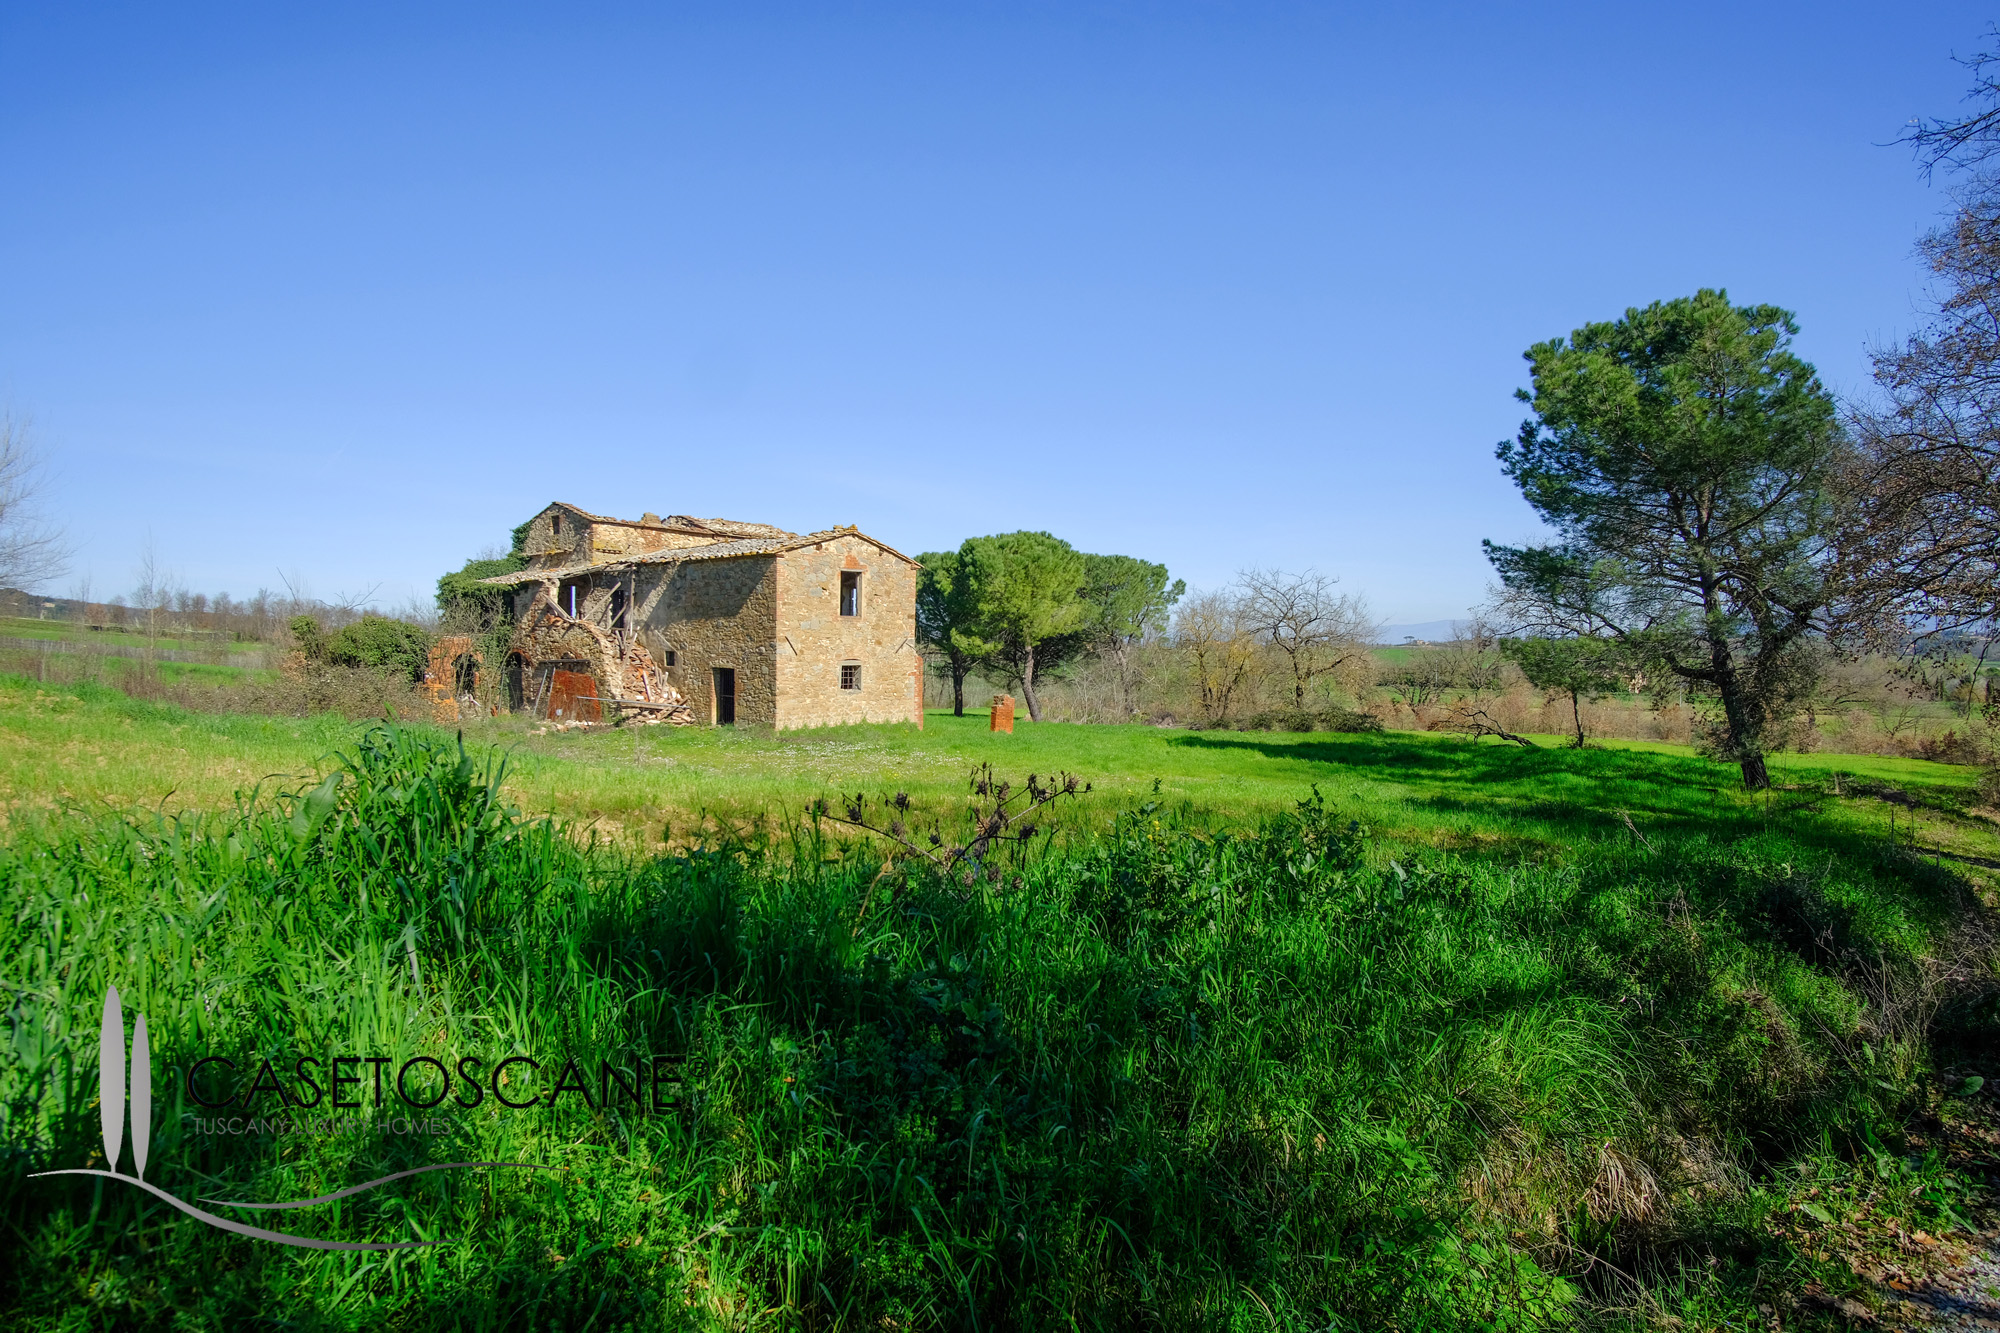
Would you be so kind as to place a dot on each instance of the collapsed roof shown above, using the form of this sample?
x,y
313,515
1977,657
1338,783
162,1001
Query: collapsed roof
x,y
730,538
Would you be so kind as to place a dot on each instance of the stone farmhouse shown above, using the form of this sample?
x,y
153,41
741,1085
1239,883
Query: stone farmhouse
x,y
711,621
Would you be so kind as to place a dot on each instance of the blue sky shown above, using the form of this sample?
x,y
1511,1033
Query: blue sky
x,y
347,292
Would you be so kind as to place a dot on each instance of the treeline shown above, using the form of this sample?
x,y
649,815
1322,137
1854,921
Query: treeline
x,y
1027,609
1273,651
1023,606
263,618
1936,705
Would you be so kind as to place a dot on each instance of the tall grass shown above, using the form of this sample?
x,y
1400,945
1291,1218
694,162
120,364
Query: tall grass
x,y
1284,1074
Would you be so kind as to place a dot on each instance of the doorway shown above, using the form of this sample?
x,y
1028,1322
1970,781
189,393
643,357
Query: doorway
x,y
573,697
725,696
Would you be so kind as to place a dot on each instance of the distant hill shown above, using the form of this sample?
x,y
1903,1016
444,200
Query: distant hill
x,y
1436,631
14,602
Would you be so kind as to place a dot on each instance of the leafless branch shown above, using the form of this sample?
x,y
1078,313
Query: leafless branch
x,y
1319,630
1001,821
1968,143
1470,718
31,549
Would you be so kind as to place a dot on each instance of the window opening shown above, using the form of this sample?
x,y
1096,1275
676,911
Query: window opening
x,y
669,658
850,593
555,525
850,675
618,607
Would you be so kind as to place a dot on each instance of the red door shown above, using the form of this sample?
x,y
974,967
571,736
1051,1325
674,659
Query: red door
x,y
573,697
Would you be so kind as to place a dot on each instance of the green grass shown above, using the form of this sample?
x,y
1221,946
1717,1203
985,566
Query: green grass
x,y
96,749
23,627
1450,1044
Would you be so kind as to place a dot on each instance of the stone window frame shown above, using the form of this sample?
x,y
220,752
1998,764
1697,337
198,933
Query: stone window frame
x,y
841,595
850,676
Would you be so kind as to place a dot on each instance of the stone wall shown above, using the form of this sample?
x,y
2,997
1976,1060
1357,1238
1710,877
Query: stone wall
x,y
715,613
614,541
814,640
546,548
545,639
441,675
772,619
582,541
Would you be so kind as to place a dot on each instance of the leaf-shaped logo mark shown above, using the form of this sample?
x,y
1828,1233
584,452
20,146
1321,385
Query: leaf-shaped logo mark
x,y
111,1083
142,1096
111,1078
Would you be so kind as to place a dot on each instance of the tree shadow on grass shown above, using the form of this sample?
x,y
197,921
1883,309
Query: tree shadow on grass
x,y
1566,798
1509,780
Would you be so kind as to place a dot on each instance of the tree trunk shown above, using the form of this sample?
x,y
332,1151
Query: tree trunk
x,y
1745,739
1576,713
957,685
1028,686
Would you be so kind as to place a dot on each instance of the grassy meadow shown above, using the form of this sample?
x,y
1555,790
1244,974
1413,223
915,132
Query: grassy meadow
x,y
81,638
93,748
1297,1031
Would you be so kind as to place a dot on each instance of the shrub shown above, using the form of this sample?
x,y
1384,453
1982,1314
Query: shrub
x,y
460,594
377,641
308,637
1949,747
1308,719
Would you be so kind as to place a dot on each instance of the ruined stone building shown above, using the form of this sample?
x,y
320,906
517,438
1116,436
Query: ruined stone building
x,y
711,621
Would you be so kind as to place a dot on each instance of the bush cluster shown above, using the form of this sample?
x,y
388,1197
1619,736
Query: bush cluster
x,y
372,642
1309,719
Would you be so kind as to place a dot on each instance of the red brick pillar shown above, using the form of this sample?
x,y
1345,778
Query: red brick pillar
x,y
1002,717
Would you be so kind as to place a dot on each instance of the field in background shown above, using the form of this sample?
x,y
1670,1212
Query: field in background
x,y
94,749
1871,707
84,638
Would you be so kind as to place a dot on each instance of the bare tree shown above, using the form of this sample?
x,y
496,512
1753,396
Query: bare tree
x,y
1969,142
1471,664
1920,547
1319,631
31,549
1921,540
82,610
154,595
1221,648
